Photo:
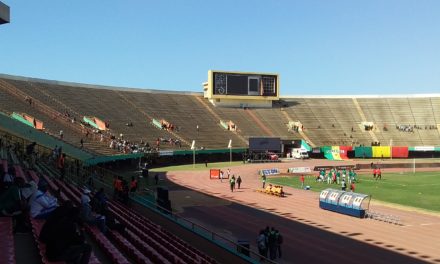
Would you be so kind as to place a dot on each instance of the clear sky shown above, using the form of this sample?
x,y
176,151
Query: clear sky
x,y
326,47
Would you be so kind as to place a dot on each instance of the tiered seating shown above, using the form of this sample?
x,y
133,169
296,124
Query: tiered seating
x,y
7,248
161,234
111,250
37,224
130,249
10,103
106,245
327,120
163,247
108,105
146,237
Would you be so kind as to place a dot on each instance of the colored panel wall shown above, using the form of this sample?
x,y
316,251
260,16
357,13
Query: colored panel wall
x,y
21,119
363,152
327,152
335,153
39,124
90,121
305,145
29,118
100,124
400,152
343,151
381,152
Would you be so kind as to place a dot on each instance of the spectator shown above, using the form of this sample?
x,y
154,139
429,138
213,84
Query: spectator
x,y
91,180
272,244
87,214
86,208
99,201
64,239
61,165
42,203
279,240
61,134
10,201
133,184
261,243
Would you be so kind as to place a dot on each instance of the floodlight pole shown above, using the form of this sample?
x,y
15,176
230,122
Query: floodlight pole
x,y
414,165
193,147
230,151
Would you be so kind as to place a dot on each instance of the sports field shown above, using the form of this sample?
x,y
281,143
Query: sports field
x,y
420,190
199,166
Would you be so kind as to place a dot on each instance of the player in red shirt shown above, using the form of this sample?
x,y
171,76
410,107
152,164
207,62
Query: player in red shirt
x,y
302,181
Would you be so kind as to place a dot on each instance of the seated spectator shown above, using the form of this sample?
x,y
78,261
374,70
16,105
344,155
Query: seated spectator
x,y
10,201
86,213
64,238
99,201
42,203
86,209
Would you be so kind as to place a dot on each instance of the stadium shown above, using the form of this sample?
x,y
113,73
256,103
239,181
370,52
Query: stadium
x,y
152,175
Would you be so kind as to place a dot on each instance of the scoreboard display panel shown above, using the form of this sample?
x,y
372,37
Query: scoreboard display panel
x,y
261,144
243,84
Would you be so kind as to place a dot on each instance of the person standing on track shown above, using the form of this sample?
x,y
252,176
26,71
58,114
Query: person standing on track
x,y
238,181
232,183
263,178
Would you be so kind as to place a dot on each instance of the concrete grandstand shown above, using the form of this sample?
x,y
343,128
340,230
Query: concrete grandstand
x,y
151,126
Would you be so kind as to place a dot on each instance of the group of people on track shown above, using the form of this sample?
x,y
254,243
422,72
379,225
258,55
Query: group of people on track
x,y
233,182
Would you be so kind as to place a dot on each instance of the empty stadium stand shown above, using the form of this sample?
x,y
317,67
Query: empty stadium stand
x,y
327,120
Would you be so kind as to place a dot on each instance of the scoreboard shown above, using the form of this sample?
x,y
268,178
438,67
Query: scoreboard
x,y
242,84
4,13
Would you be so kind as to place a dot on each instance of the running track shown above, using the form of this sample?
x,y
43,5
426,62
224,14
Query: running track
x,y
311,235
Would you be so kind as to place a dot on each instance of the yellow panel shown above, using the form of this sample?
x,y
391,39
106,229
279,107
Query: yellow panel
x,y
382,151
335,152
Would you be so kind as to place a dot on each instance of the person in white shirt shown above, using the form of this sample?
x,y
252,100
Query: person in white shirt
x,y
42,203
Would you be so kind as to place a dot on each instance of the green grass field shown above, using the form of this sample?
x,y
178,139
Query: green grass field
x,y
199,166
421,190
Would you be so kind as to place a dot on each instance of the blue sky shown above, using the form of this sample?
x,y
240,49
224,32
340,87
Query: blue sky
x,y
317,47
